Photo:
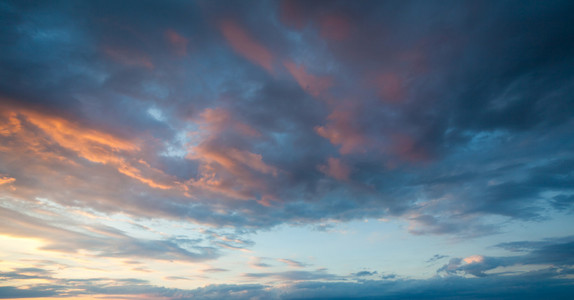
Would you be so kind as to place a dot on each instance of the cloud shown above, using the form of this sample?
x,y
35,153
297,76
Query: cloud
x,y
6,180
215,270
442,122
177,41
314,85
234,117
390,86
389,276
99,240
289,276
259,263
9,292
292,263
562,202
335,27
336,169
243,43
92,145
365,273
436,257
343,130
128,57
551,252
526,284
509,287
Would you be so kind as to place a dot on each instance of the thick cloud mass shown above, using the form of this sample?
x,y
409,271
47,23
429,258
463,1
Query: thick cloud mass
x,y
455,116
329,111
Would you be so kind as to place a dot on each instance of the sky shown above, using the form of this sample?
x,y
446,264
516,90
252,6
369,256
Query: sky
x,y
286,149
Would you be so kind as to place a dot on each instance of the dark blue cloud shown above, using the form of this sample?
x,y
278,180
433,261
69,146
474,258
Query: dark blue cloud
x,y
442,114
436,257
556,252
289,276
365,273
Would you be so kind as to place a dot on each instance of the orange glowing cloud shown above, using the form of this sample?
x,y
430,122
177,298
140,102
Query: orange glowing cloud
x,y
314,85
135,173
93,145
9,124
243,43
6,180
20,140
336,168
87,143
177,42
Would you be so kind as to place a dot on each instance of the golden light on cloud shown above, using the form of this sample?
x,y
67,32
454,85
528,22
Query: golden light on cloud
x,y
6,180
474,259
91,144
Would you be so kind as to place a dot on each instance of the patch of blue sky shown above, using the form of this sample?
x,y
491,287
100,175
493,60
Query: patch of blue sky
x,y
156,113
183,141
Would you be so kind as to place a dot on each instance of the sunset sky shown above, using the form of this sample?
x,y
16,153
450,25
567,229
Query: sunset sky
x,y
286,149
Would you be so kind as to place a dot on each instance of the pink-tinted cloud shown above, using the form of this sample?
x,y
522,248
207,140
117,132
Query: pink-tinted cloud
x,y
220,119
390,86
136,173
416,59
232,159
314,85
336,27
336,168
292,263
341,130
224,168
246,45
406,149
129,57
292,14
177,42
474,259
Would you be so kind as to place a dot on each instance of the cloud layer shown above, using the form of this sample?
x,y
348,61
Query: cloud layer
x,y
236,117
